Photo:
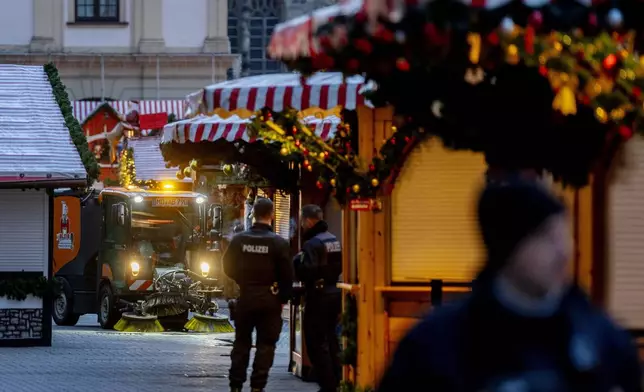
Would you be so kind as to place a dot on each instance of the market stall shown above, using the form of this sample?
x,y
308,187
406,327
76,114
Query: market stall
x,y
540,89
42,148
320,100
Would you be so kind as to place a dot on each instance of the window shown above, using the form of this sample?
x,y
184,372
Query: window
x,y
264,16
97,10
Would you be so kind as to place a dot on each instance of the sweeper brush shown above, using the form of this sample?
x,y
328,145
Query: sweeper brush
x,y
132,322
137,320
209,324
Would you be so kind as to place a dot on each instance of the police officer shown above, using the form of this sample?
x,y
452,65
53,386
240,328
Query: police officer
x,y
319,267
258,261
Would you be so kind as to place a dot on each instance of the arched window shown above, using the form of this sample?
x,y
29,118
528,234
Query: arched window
x,y
264,16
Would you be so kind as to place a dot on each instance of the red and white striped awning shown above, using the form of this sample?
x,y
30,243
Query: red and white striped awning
x,y
83,109
298,38
213,128
323,90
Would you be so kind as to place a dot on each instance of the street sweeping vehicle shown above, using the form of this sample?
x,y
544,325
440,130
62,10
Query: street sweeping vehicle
x,y
137,251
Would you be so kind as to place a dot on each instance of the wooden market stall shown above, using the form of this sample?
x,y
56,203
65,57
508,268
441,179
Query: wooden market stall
x,y
422,245
42,148
320,100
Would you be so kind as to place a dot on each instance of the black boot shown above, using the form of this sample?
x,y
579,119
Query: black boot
x,y
257,389
235,389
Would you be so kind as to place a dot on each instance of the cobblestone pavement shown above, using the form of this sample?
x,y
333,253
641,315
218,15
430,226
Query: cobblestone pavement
x,y
87,359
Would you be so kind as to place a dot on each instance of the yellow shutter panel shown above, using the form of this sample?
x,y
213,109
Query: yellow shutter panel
x,y
625,280
283,215
434,228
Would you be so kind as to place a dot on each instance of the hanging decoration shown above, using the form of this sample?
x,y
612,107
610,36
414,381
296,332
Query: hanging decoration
x,y
567,66
337,160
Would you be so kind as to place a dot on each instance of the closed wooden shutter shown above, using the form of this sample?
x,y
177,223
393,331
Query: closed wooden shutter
x,y
24,231
434,229
625,237
283,215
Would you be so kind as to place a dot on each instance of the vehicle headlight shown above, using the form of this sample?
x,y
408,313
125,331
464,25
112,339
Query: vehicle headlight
x,y
200,200
205,269
138,199
135,267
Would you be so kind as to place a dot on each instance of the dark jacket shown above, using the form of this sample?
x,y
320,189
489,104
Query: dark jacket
x,y
320,258
257,258
478,345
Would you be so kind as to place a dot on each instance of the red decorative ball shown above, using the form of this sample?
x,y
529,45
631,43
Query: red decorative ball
x,y
543,70
609,62
363,45
402,64
372,168
393,140
384,34
319,185
637,92
592,19
625,132
493,38
536,19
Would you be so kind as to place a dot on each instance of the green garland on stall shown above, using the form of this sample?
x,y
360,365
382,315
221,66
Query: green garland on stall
x,y
337,160
75,131
19,289
349,324
127,173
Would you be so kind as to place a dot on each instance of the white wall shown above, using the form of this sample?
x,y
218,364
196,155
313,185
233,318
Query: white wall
x,y
16,22
184,23
96,37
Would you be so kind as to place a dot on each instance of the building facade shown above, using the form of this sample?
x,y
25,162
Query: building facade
x,y
122,49
257,19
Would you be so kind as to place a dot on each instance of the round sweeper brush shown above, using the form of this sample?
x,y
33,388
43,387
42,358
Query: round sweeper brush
x,y
209,324
131,322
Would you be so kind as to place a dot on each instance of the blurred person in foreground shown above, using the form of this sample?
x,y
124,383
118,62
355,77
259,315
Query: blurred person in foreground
x,y
258,260
525,326
319,266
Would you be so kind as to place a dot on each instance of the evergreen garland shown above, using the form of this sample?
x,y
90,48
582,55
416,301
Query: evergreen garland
x,y
127,173
19,289
349,323
75,131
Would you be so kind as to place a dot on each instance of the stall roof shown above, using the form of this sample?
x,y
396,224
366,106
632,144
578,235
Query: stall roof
x,y
35,143
84,109
323,90
213,128
149,162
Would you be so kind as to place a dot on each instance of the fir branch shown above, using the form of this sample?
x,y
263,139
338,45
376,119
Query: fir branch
x,y
75,131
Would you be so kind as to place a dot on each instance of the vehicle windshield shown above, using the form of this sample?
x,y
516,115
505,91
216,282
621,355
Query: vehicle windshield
x,y
163,233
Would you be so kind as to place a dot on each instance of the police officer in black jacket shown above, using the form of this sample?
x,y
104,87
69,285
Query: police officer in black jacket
x,y
319,266
258,261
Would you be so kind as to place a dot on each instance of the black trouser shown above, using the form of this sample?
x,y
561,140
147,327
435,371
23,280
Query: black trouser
x,y
321,314
256,309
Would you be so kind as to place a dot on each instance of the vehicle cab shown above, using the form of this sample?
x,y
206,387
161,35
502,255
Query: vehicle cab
x,y
145,233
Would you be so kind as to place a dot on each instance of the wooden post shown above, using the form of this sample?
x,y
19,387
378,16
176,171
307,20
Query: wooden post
x,y
365,371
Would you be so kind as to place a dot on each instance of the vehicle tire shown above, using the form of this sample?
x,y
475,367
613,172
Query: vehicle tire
x,y
175,323
108,314
63,306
